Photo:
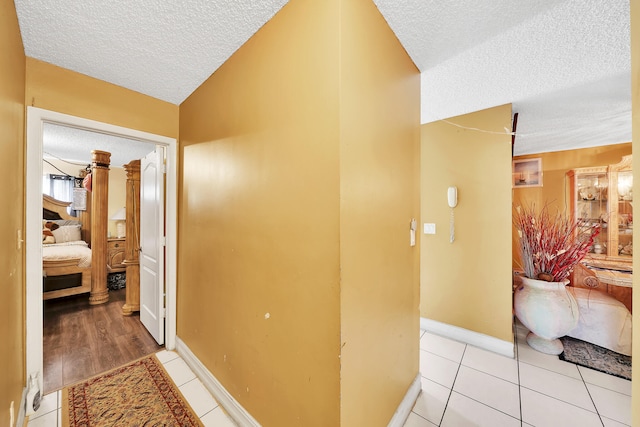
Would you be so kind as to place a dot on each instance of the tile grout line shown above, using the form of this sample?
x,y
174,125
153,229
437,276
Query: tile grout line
x,y
517,383
553,397
591,397
563,401
515,339
552,371
488,406
452,385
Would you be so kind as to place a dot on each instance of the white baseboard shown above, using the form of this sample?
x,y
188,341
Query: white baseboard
x,y
22,411
243,418
476,339
405,407
222,396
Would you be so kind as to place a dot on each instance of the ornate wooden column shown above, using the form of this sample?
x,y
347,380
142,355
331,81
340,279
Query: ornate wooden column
x,y
85,216
132,242
99,222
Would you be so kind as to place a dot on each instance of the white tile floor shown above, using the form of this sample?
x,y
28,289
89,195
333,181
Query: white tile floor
x,y
461,386
466,386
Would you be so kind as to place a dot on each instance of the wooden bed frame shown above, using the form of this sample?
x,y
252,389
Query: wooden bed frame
x,y
67,266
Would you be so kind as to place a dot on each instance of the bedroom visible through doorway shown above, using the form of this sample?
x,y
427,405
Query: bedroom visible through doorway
x,y
36,120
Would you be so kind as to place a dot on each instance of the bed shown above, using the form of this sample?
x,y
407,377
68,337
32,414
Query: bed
x,y
66,262
604,319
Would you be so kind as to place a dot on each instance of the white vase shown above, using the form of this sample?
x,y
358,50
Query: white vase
x,y
548,310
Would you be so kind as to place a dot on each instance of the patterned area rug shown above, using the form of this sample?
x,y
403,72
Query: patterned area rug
x,y
137,394
595,357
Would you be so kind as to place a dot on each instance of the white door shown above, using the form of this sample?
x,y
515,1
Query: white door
x,y
152,243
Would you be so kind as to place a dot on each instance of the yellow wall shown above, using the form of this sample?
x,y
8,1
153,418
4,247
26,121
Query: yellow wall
x,y
467,283
12,122
117,195
277,190
258,262
58,89
379,194
635,136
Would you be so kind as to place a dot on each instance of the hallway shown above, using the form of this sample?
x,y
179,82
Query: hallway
x,y
461,386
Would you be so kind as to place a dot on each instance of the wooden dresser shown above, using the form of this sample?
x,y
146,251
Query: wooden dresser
x,y
115,255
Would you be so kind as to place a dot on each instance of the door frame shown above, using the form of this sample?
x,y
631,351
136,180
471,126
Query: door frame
x,y
36,118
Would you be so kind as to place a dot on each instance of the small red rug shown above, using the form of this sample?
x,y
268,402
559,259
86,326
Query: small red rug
x,y
140,393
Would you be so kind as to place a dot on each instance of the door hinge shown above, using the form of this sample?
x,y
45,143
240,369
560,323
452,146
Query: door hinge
x,y
163,241
164,313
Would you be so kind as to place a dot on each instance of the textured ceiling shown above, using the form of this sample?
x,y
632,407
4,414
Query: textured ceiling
x,y
75,145
564,64
162,48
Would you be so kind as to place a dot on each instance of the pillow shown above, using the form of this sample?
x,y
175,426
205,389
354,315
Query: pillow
x,y
47,232
67,233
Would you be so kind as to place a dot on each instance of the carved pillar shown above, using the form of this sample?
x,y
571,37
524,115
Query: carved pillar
x,y
99,222
132,242
85,216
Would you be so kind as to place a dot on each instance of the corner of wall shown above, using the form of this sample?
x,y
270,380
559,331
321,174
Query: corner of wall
x,y
467,282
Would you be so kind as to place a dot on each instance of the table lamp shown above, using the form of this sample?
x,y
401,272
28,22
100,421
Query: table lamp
x,y
120,217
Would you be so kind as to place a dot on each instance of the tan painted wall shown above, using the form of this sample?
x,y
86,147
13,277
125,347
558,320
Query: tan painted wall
x,y
379,194
467,283
12,123
635,136
277,190
258,262
555,185
58,89
117,195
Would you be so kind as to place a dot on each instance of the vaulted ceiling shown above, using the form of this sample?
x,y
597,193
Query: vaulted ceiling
x,y
563,64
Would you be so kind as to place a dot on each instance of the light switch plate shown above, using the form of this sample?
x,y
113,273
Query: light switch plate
x,y
430,228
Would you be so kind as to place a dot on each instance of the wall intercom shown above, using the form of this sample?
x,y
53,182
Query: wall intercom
x,y
452,196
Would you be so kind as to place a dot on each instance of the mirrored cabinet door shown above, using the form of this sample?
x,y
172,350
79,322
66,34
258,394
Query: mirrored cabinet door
x,y
604,195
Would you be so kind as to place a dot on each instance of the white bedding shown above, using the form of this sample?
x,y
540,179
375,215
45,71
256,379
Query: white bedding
x,y
60,251
604,321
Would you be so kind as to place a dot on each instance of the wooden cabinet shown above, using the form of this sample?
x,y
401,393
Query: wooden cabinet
x,y
603,195
115,255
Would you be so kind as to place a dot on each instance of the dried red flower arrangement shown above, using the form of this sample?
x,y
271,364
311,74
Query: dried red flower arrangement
x,y
551,245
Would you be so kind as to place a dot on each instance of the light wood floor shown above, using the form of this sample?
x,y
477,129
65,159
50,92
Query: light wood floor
x,y
82,340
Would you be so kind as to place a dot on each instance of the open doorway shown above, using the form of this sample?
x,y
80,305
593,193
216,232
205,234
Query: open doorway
x,y
36,120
